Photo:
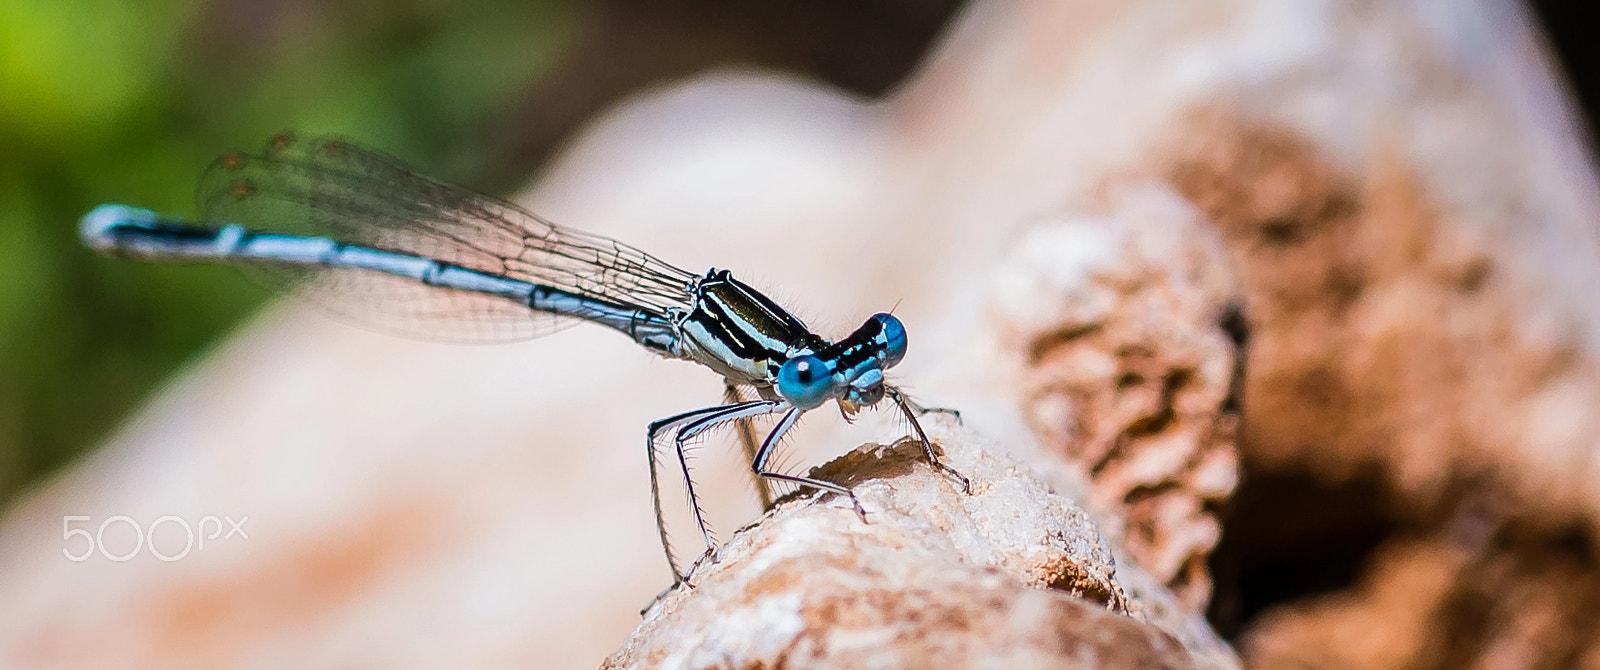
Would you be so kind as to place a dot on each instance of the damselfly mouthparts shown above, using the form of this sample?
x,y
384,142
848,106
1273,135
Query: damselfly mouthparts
x,y
371,239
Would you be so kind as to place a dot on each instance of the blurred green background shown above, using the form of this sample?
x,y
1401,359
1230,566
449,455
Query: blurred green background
x,y
111,100
108,100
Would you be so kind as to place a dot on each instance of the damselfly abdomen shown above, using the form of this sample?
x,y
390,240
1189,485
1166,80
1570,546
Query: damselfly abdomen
x,y
364,236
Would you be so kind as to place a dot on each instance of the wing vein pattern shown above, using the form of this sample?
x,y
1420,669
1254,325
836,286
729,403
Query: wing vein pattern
x,y
329,187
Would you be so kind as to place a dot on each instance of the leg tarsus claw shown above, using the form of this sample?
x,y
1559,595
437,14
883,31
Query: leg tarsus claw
x,y
856,503
710,553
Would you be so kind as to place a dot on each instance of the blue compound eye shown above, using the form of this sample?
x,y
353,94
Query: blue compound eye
x,y
893,338
805,381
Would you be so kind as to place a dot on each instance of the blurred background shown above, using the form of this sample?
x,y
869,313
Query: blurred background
x,y
104,100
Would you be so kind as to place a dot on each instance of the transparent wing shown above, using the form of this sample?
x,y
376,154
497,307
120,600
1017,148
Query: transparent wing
x,y
329,187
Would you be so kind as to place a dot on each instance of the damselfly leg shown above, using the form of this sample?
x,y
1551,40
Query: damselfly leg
x,y
747,439
759,463
911,412
921,410
689,425
686,427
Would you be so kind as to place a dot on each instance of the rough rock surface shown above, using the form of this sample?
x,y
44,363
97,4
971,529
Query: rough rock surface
x,y
1387,354
1010,576
1120,318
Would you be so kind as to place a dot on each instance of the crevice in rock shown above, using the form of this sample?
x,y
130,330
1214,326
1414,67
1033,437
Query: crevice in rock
x,y
1289,535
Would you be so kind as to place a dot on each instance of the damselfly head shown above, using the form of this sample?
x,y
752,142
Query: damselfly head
x,y
850,370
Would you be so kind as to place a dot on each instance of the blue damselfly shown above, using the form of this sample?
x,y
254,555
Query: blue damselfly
x,y
368,238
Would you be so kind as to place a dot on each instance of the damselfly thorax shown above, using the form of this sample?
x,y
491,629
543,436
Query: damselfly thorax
x,y
367,238
740,333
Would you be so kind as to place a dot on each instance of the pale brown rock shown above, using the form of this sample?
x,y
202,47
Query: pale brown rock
x,y
1386,343
1119,317
1010,576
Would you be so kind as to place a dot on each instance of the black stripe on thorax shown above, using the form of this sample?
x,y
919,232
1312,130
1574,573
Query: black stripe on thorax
x,y
750,324
714,316
772,308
